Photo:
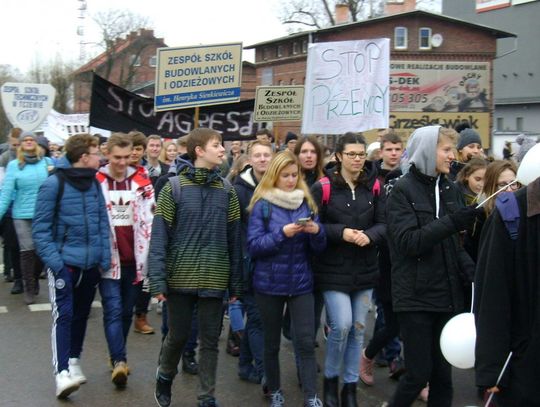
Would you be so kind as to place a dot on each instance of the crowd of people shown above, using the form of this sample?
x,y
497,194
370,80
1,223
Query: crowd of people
x,y
282,238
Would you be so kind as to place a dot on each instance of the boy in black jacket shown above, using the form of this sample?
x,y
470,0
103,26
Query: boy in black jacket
x,y
424,215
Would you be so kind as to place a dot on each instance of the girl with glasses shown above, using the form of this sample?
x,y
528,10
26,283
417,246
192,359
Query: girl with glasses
x,y
347,271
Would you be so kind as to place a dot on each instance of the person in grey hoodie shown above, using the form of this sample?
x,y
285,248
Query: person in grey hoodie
x,y
425,213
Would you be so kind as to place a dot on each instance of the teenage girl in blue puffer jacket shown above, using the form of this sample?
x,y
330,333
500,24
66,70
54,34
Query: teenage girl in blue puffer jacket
x,y
283,232
24,176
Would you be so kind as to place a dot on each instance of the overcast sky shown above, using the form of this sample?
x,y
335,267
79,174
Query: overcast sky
x,y
40,29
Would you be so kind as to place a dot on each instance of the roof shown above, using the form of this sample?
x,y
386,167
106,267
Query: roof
x,y
415,13
120,45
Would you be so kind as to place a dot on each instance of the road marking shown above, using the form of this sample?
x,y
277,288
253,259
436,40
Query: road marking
x,y
39,307
3,310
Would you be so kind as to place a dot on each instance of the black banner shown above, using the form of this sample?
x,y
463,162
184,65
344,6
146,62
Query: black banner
x,y
117,109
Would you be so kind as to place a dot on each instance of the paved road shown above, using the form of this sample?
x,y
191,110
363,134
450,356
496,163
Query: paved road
x,y
26,378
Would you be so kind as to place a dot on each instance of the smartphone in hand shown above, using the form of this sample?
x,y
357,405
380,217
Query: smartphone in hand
x,y
302,221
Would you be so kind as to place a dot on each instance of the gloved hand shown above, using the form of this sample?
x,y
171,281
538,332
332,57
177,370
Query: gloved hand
x,y
464,218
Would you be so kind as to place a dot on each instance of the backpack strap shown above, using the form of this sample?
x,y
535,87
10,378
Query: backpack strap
x,y
376,190
176,188
508,208
326,188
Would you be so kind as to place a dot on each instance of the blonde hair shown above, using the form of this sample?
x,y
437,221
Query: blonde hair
x,y
163,154
37,152
271,176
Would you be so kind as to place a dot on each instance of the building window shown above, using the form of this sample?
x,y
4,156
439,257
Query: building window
x,y
267,76
266,53
304,46
135,60
500,124
279,51
295,48
152,61
519,123
424,38
400,38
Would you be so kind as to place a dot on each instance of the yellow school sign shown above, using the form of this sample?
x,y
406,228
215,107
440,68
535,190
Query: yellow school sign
x,y
198,76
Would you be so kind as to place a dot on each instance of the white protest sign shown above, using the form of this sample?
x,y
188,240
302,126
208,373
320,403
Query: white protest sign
x,y
198,76
278,103
27,104
347,86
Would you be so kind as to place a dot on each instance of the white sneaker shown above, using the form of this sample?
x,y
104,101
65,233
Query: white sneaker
x,y
65,384
75,370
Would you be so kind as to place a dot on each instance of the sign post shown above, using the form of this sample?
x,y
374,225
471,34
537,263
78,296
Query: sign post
x,y
27,104
198,76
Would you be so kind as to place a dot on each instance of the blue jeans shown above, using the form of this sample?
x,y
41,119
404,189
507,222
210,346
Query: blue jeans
x,y
236,316
347,320
118,298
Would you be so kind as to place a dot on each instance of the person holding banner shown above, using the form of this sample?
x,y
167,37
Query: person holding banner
x,y
425,213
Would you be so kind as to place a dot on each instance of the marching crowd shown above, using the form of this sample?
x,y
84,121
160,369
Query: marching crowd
x,y
282,237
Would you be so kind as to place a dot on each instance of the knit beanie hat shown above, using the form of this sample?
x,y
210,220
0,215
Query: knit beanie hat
x,y
468,136
26,134
290,136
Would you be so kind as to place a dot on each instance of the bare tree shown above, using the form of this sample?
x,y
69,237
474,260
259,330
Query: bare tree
x,y
60,76
320,13
7,74
115,26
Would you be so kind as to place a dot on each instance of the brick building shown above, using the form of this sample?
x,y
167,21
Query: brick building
x,y
130,63
441,67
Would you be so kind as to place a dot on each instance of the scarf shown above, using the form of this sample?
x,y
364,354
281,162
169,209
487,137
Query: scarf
x,y
284,199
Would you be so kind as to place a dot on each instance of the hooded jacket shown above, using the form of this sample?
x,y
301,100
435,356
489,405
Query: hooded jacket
x,y
345,266
76,231
195,247
429,267
282,264
142,208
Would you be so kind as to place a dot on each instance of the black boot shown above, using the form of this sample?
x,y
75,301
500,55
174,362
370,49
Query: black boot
x,y
17,287
27,270
348,395
330,392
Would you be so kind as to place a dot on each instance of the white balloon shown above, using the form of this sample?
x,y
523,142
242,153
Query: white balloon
x,y
529,169
458,339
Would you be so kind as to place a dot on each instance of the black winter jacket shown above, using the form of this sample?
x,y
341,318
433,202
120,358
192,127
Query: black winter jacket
x,y
507,307
345,266
429,267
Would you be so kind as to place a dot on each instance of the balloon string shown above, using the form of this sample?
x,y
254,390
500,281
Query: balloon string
x,y
495,193
499,379
472,297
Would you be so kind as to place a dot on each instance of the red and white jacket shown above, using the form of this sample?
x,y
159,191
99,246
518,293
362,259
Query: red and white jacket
x,y
143,213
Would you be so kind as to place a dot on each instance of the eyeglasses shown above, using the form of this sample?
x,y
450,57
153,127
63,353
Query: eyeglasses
x,y
514,187
352,155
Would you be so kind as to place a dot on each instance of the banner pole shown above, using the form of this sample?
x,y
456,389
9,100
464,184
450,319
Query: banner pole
x,y
196,118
